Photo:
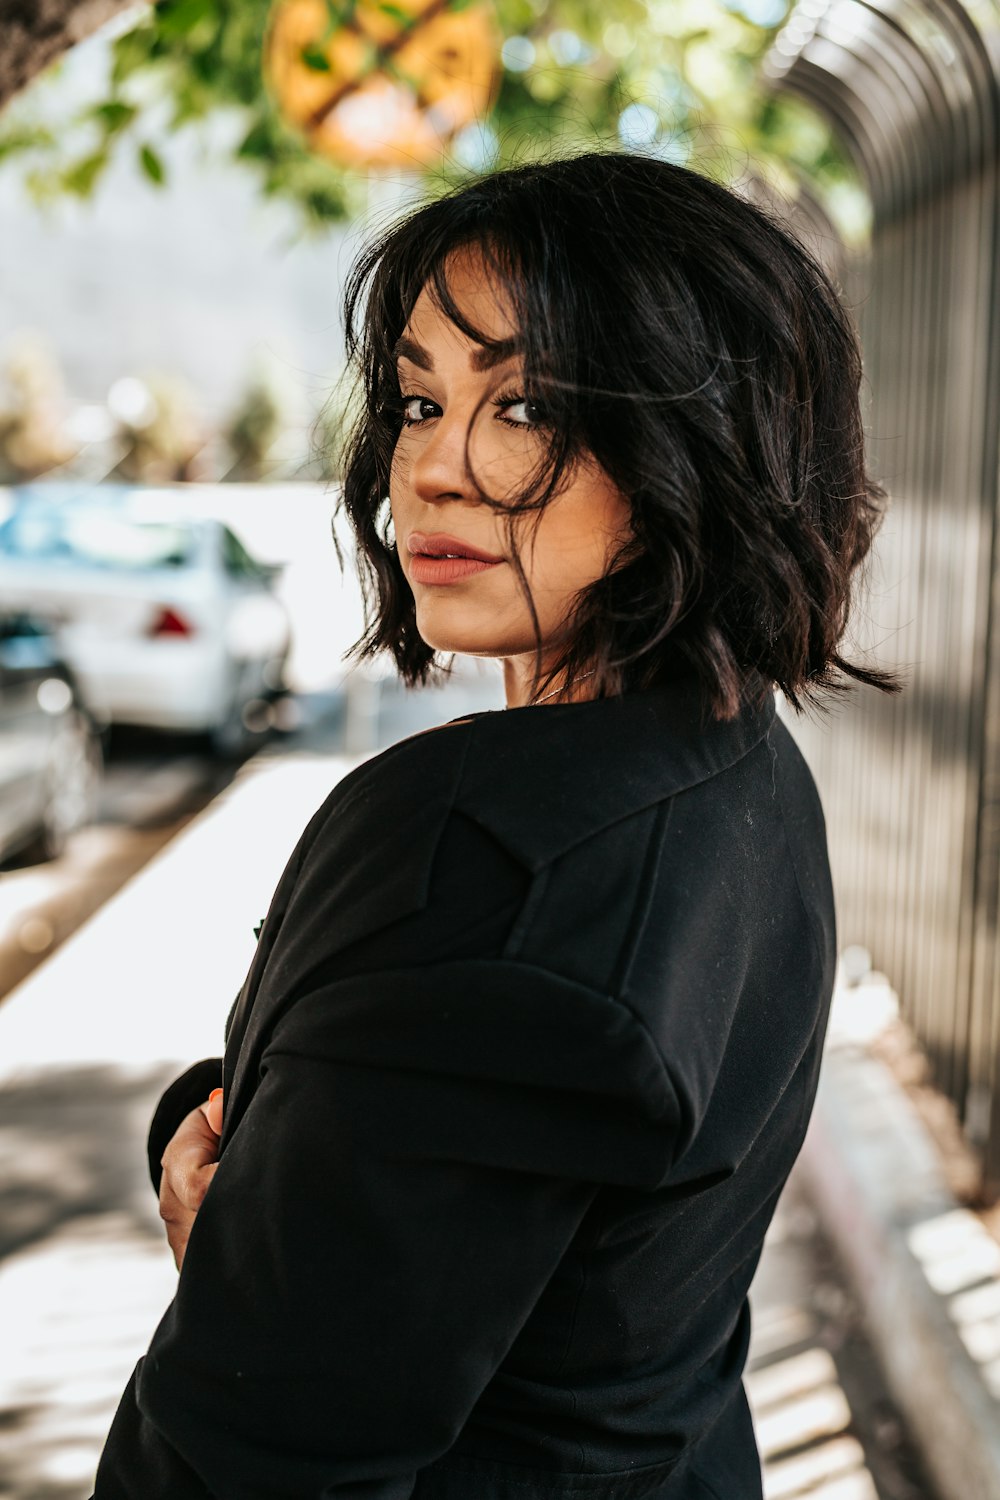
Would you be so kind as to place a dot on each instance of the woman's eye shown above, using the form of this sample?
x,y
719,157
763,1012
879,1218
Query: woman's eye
x,y
524,413
512,410
413,408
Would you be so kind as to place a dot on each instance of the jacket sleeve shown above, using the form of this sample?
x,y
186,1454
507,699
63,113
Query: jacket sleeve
x,y
417,1157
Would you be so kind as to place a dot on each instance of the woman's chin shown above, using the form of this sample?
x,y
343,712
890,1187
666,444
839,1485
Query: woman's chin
x,y
468,645
466,637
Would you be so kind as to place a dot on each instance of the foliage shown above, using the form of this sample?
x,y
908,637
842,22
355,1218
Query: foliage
x,y
163,443
32,434
253,429
676,76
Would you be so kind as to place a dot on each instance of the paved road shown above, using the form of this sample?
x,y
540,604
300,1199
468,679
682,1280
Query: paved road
x,y
149,790
152,786
84,1270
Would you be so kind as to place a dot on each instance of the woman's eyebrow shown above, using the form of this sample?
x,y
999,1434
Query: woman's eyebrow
x,y
484,358
405,348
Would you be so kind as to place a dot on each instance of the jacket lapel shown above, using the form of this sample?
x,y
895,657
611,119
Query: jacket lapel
x,y
363,862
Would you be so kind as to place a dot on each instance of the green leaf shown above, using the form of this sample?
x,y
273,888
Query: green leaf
x,y
80,178
152,165
258,143
114,115
132,52
396,13
176,18
337,15
190,103
25,138
43,187
315,59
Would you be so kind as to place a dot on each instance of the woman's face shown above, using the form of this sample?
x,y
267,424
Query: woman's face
x,y
464,417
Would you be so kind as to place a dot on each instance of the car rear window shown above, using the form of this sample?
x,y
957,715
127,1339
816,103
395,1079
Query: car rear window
x,y
97,539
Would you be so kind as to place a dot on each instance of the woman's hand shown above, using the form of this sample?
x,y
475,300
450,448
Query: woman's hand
x,y
189,1164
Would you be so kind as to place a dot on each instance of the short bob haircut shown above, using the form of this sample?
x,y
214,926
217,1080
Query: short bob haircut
x,y
687,341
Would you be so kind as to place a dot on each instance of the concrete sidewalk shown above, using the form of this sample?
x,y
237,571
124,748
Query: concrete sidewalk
x,y
924,1269
87,1044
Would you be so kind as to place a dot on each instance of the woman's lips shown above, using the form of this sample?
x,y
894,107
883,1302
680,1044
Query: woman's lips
x,y
429,562
443,544
425,569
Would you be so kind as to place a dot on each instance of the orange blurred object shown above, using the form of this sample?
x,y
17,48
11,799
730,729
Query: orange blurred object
x,y
389,86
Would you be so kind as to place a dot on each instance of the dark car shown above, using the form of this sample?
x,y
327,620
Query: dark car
x,y
50,750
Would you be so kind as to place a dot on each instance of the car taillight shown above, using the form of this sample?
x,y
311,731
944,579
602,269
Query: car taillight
x,y
169,622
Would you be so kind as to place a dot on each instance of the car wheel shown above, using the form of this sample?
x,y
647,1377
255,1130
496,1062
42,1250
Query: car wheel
x,y
228,740
72,776
243,728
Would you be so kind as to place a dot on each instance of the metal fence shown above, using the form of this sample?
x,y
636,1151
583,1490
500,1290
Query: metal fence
x,y
911,784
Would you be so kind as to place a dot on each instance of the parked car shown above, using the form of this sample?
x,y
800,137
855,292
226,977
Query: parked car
x,y
50,750
165,618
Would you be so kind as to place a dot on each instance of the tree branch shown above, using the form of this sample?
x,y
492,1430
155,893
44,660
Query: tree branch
x,y
33,33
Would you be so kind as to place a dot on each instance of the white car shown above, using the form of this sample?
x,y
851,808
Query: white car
x,y
164,618
50,755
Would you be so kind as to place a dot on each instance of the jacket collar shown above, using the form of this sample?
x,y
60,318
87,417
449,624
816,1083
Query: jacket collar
x,y
592,763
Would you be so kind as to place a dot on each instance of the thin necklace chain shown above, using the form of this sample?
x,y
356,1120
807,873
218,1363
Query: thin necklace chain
x,y
559,689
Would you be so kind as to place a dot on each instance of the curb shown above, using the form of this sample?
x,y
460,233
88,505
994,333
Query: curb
x,y
147,980
925,1270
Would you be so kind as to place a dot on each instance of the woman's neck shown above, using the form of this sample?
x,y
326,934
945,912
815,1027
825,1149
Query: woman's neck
x,y
519,694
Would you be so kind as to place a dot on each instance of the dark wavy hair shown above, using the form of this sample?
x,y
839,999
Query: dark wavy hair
x,y
688,341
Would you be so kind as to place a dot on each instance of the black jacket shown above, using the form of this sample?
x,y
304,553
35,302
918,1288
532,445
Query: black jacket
x,y
526,1052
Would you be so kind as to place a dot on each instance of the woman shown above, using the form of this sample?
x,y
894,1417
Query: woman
x,y
532,1033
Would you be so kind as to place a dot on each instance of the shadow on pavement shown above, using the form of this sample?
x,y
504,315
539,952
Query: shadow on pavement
x,y
72,1144
86,1271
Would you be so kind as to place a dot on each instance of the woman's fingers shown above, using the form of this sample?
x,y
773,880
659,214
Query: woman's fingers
x,y
193,1145
178,1217
212,1110
189,1164
189,1180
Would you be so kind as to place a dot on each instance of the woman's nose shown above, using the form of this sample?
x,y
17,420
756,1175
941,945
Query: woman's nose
x,y
440,463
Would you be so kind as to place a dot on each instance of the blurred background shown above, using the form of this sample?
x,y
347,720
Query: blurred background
x,y
182,189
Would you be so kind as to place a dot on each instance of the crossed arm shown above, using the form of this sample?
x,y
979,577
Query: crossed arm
x,y
357,1264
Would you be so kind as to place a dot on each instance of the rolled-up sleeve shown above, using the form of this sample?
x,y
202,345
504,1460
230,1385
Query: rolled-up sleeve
x,y
418,1155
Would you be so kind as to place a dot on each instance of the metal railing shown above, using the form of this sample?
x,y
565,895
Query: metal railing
x,y
911,784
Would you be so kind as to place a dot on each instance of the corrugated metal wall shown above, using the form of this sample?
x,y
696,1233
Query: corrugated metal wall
x,y
911,784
